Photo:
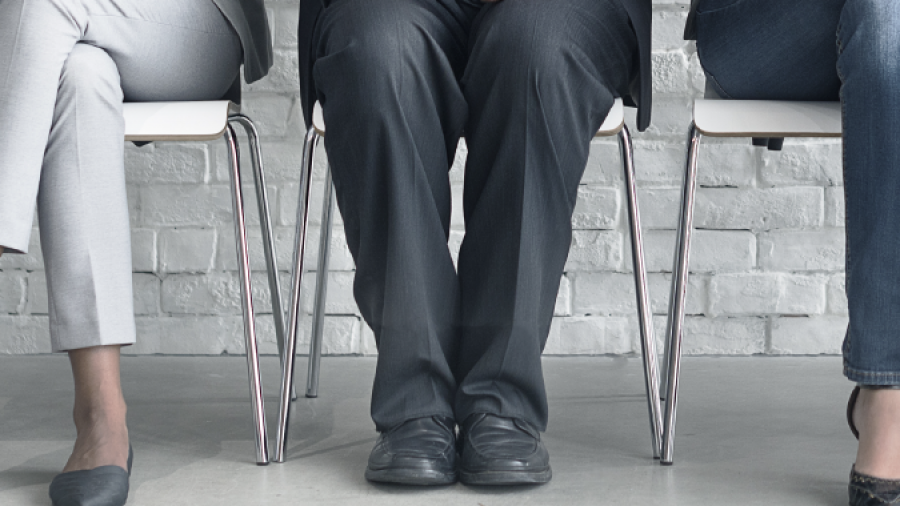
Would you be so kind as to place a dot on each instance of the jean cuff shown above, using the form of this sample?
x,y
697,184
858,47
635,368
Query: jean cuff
x,y
875,378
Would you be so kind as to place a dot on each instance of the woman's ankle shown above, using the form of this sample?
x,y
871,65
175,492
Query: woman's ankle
x,y
877,416
111,413
102,438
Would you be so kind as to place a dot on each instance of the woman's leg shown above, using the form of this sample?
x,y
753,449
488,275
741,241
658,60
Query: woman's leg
x,y
85,238
869,47
541,78
386,75
99,411
63,78
793,58
147,41
770,49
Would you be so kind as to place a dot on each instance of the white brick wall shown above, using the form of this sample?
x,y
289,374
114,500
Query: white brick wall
x,y
767,260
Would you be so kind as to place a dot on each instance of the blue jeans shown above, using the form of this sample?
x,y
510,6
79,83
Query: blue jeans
x,y
830,50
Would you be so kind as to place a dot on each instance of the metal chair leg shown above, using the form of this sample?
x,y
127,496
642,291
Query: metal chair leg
x,y
315,341
243,253
675,326
645,314
265,222
287,369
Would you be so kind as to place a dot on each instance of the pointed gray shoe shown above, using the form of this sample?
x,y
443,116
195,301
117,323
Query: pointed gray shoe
x,y
101,486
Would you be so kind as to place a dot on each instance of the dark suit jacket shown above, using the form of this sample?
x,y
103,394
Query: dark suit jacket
x,y
690,30
248,17
638,10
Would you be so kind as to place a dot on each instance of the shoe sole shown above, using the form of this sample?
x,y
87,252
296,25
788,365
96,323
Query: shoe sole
x,y
418,477
499,478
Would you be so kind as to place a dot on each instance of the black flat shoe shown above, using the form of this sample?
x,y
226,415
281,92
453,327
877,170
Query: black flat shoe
x,y
502,451
868,490
101,486
421,451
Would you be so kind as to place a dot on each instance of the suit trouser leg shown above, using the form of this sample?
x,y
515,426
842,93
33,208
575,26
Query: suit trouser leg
x,y
541,78
65,68
387,74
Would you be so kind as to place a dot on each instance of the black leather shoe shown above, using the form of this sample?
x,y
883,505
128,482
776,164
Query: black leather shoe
x,y
421,451
101,486
502,451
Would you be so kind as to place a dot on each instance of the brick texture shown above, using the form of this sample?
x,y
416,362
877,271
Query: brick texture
x,y
767,263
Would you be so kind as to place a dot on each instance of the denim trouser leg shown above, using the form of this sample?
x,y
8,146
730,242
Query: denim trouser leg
x,y
869,65
830,50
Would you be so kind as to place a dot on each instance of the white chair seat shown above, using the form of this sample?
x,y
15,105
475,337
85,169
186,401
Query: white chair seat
x,y
613,124
177,121
614,121
767,118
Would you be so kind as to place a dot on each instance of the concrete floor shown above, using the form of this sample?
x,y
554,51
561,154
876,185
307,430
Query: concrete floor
x,y
767,431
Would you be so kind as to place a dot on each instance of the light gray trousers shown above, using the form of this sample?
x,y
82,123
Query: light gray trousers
x,y
66,66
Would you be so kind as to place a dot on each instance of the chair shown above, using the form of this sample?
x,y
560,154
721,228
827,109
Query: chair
x,y
206,121
614,125
768,122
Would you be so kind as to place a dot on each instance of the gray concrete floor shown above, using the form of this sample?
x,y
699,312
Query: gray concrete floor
x,y
767,431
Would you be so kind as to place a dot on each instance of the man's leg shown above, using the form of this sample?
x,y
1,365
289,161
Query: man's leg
x,y
541,78
387,74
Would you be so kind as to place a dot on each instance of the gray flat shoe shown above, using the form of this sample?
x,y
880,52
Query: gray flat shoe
x,y
101,486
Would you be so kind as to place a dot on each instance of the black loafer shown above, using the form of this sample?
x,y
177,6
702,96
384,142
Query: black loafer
x,y
421,451
101,486
502,451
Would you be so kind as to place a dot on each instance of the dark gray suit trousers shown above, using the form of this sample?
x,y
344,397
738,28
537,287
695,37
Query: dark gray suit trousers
x,y
528,82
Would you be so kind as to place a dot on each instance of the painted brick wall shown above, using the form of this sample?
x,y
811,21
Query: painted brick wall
x,y
767,258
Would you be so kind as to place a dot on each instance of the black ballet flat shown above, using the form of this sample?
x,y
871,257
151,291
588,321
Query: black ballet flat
x,y
868,490
101,486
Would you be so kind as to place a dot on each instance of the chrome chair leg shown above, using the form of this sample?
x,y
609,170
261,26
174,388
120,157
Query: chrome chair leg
x,y
287,368
243,253
265,222
315,341
675,324
645,314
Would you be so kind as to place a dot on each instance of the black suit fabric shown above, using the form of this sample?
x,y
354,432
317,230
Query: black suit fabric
x,y
640,92
528,82
249,20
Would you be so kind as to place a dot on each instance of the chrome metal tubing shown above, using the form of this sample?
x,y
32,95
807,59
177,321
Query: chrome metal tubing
x,y
645,313
287,367
675,325
243,254
265,223
315,341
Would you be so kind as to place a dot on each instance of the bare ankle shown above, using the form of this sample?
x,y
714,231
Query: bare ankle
x,y
89,414
877,416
